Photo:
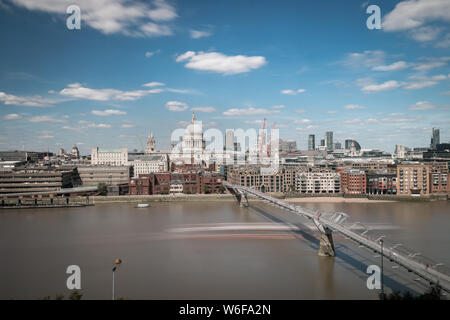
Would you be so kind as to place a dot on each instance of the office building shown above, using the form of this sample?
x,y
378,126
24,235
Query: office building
x,y
329,140
111,157
311,142
435,138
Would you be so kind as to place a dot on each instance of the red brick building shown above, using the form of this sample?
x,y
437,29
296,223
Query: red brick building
x,y
353,181
439,176
168,183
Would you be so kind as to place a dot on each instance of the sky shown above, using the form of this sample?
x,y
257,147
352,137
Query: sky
x,y
137,67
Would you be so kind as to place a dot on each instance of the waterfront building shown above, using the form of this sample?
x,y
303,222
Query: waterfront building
x,y
18,155
111,157
413,179
353,181
175,183
110,175
262,178
381,183
38,179
311,142
148,163
318,180
439,175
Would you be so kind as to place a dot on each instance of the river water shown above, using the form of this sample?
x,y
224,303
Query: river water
x,y
207,250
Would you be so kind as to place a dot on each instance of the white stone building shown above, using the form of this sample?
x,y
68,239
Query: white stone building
x,y
316,180
112,157
146,164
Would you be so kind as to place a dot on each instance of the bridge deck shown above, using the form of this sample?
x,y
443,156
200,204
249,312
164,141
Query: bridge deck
x,y
411,261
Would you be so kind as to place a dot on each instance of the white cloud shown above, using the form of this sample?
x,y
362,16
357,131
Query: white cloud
x,y
415,13
12,116
248,112
332,111
425,106
75,90
419,84
151,29
35,101
301,121
279,107
399,65
220,63
45,119
429,65
108,112
150,54
292,92
197,34
132,18
45,136
127,126
425,34
367,58
99,125
401,120
353,107
176,106
307,128
422,105
153,84
300,111
204,109
388,85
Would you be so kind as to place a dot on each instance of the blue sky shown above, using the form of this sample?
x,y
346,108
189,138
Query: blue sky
x,y
142,66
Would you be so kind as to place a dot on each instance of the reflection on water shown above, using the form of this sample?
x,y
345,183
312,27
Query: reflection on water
x,y
213,250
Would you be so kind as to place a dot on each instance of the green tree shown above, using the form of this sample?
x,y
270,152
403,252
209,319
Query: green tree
x,y
102,189
75,295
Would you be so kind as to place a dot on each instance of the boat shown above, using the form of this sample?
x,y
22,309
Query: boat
x,y
142,205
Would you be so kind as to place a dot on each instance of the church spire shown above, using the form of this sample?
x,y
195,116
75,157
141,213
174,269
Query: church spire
x,y
193,116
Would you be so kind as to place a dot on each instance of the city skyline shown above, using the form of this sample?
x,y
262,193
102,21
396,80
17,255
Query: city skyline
x,y
128,73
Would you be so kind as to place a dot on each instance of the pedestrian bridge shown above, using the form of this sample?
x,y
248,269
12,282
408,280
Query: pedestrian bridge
x,y
327,223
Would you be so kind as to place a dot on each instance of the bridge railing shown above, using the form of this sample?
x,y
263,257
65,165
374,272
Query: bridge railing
x,y
393,250
396,252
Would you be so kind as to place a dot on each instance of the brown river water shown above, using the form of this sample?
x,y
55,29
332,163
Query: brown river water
x,y
207,250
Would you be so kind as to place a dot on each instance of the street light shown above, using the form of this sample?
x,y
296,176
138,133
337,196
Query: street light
x,y
382,282
116,265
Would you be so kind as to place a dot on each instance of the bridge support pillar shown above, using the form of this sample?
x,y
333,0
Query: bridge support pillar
x,y
243,201
326,247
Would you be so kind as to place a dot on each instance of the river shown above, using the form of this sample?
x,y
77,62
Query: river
x,y
207,250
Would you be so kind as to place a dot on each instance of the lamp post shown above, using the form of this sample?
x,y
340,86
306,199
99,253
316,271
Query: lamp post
x,y
116,265
382,282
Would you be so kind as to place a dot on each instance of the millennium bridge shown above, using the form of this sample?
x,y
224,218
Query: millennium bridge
x,y
327,223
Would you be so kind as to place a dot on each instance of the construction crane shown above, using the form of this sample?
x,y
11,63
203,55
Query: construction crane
x,y
269,147
262,141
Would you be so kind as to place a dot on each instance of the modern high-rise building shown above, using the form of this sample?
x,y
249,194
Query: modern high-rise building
x,y
291,145
311,142
329,140
322,142
435,138
229,140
